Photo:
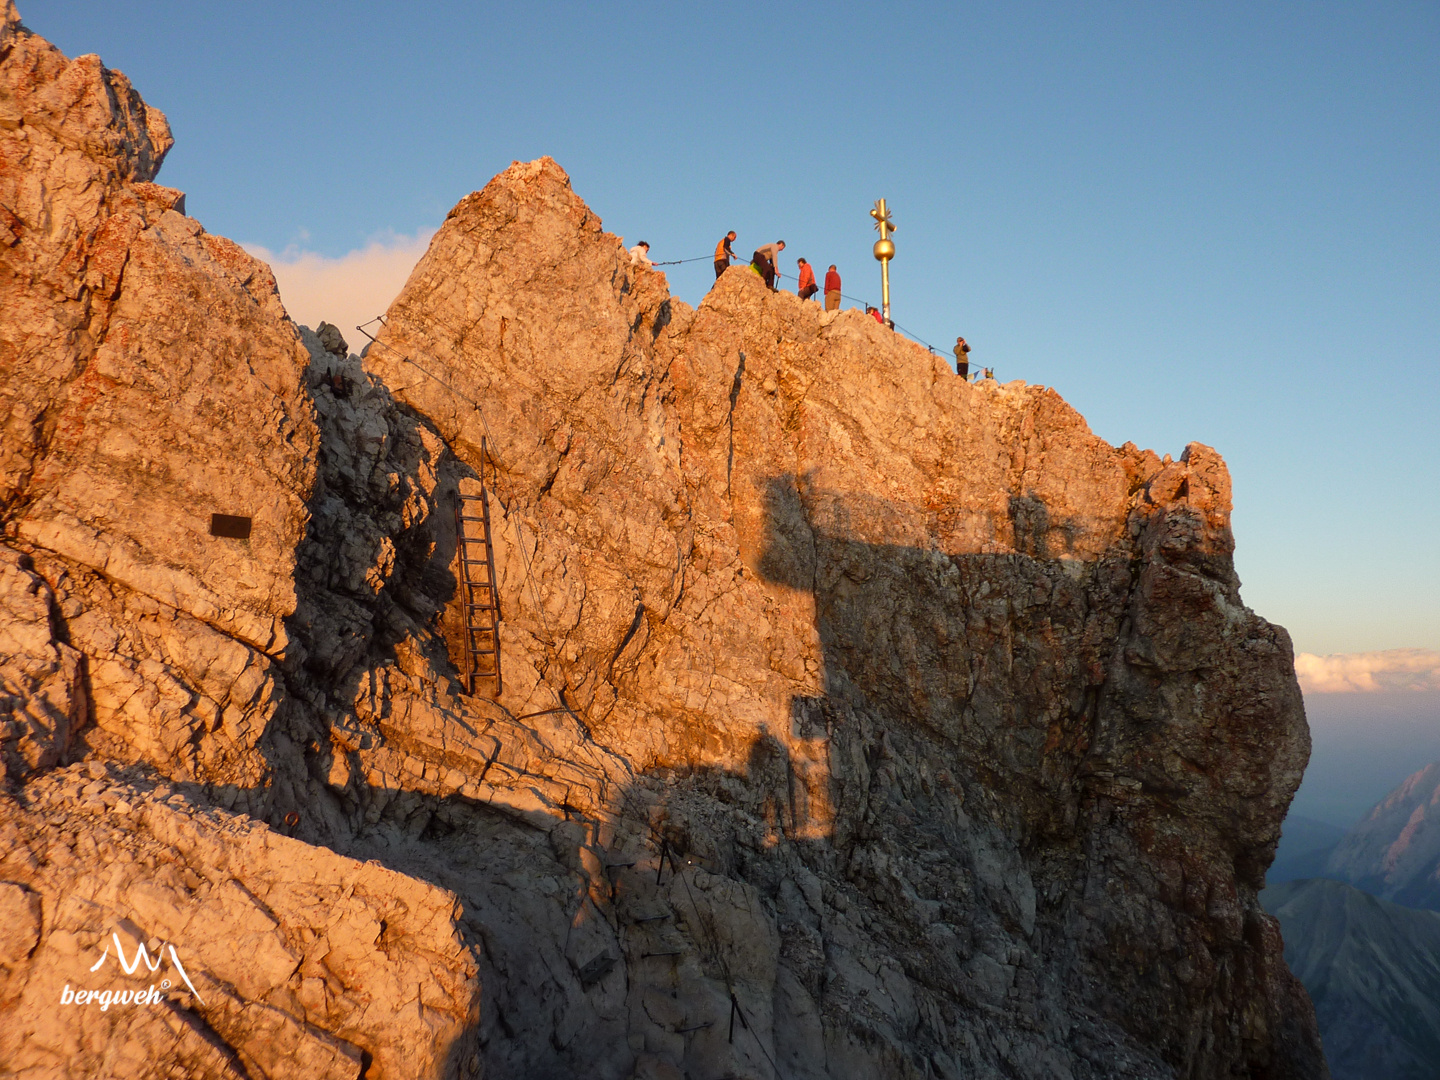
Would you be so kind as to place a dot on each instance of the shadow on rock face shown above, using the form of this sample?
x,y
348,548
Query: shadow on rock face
x,y
931,872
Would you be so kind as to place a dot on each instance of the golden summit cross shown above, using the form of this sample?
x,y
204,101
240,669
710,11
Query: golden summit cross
x,y
884,251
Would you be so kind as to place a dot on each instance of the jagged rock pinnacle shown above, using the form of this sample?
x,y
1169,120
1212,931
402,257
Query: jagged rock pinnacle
x,y
899,720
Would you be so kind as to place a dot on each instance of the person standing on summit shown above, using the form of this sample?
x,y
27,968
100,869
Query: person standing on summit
x,y
806,286
766,259
962,358
832,289
724,253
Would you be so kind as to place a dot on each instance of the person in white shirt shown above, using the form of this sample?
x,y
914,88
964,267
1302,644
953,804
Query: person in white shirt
x,y
640,256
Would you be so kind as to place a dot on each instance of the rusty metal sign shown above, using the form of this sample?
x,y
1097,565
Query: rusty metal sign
x,y
230,526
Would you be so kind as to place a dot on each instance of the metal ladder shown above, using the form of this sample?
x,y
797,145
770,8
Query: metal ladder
x,y
480,599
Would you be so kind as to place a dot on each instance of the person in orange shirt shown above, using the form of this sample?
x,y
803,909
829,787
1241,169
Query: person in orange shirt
x,y
724,253
807,287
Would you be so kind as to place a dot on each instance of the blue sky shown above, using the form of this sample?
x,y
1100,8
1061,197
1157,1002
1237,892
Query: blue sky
x,y
1211,222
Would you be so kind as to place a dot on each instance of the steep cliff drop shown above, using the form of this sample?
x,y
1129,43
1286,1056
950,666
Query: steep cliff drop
x,y
857,721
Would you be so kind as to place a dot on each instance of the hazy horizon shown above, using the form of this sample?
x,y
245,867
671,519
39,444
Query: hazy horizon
x,y
1363,746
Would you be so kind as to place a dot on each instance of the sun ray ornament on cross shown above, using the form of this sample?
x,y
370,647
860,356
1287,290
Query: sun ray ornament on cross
x,y
884,251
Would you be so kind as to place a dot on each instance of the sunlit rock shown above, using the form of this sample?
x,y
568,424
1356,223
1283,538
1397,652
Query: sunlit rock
x,y
856,720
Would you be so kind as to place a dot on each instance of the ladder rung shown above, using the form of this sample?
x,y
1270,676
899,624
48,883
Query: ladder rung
x,y
473,517
473,498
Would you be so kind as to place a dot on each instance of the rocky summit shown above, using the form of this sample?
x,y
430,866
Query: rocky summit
x,y
850,719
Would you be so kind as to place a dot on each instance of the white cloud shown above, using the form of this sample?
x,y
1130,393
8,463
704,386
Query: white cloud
x,y
347,290
1393,669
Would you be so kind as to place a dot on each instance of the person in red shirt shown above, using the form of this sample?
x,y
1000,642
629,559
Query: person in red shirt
x,y
832,289
876,312
807,287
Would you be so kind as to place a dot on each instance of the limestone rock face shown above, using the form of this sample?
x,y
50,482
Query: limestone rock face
x,y
142,358
301,961
982,678
43,699
856,720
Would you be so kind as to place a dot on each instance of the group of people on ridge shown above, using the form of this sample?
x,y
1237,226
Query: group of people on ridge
x,y
764,262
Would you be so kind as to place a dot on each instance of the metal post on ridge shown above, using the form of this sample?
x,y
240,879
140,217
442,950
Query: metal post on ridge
x,y
884,251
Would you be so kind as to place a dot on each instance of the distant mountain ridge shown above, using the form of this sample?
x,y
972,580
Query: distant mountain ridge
x,y
1394,852
1305,847
1373,972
